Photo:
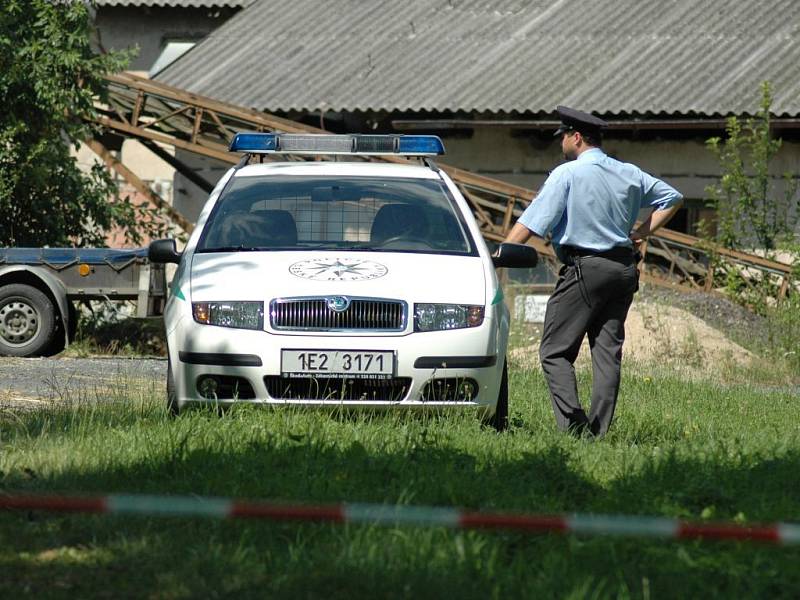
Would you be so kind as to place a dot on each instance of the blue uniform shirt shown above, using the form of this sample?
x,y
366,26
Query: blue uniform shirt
x,y
592,202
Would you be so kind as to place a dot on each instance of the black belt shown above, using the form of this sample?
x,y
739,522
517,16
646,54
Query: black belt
x,y
617,252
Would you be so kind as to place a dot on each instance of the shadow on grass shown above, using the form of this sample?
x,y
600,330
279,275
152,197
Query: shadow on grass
x,y
183,557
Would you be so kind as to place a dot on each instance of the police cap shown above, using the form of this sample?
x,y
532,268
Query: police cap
x,y
577,120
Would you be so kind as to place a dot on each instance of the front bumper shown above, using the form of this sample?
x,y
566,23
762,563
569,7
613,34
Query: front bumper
x,y
428,366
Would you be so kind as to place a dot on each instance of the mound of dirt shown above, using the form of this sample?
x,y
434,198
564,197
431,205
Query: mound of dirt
x,y
662,333
658,332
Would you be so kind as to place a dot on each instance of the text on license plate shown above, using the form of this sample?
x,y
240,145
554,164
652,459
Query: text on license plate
x,y
365,364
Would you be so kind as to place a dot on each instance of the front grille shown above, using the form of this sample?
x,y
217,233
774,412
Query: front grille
x,y
336,388
314,314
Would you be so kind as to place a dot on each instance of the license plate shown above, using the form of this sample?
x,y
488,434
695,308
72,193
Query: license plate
x,y
361,364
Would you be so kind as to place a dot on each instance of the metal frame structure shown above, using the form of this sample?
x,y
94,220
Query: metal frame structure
x,y
155,113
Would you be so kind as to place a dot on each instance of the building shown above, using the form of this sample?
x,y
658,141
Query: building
x,y
487,74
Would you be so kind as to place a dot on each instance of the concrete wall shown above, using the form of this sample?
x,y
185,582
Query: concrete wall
x,y
188,198
148,29
686,164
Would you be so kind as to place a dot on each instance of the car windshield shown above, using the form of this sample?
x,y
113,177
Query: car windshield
x,y
330,213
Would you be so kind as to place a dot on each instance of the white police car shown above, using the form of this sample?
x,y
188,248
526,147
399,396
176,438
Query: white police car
x,y
360,284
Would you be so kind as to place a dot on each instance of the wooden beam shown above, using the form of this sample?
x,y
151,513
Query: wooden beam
x,y
227,133
137,109
179,166
482,214
139,185
198,120
219,152
512,201
494,185
249,115
177,111
784,287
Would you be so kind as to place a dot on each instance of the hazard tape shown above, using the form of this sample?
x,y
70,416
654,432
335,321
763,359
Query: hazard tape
x,y
397,515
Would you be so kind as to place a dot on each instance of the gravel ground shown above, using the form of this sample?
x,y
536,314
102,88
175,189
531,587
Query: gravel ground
x,y
33,381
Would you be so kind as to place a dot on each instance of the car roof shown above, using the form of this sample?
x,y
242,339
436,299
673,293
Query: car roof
x,y
334,168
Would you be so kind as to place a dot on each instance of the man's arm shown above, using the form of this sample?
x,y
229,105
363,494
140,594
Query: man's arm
x,y
664,199
519,234
656,220
544,211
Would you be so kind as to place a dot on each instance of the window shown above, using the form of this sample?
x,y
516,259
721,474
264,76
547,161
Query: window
x,y
327,213
172,51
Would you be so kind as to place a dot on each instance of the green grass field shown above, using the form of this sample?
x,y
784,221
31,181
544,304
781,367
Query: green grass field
x,y
688,449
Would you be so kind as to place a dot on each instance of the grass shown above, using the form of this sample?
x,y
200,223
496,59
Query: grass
x,y
692,449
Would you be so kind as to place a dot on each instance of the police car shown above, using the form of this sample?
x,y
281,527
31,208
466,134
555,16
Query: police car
x,y
338,282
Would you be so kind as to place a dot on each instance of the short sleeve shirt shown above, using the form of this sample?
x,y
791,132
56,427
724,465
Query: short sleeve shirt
x,y
592,202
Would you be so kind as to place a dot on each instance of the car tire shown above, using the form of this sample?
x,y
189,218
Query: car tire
x,y
173,408
500,418
27,321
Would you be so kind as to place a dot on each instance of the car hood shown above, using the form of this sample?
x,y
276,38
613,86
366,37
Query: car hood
x,y
392,275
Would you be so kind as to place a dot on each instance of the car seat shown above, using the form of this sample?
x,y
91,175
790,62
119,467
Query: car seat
x,y
398,221
259,229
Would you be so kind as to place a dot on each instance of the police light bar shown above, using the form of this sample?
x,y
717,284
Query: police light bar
x,y
319,143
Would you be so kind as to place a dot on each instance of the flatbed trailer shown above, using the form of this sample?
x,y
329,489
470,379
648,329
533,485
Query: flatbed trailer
x,y
39,288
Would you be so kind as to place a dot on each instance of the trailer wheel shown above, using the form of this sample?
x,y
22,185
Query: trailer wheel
x,y
27,320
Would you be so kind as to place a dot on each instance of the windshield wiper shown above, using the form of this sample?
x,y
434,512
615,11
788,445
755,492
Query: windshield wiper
x,y
239,248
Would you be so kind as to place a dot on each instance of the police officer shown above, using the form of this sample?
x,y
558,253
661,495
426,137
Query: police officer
x,y
589,205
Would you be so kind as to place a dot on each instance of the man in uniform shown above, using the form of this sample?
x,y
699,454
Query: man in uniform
x,y
589,206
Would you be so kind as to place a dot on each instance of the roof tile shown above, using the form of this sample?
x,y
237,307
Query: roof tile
x,y
612,57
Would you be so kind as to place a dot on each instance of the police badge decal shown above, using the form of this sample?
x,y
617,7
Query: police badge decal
x,y
338,269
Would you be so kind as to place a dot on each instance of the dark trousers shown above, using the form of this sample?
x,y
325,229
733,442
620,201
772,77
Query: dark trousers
x,y
592,297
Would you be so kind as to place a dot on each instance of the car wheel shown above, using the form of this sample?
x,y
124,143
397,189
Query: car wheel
x,y
27,321
172,397
500,418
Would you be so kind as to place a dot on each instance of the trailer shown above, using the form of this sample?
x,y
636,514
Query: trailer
x,y
40,286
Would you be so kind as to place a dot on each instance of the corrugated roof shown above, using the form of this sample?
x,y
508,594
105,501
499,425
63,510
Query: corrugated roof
x,y
175,3
614,57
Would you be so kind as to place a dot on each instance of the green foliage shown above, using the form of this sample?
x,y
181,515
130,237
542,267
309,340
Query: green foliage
x,y
750,213
49,77
784,331
753,213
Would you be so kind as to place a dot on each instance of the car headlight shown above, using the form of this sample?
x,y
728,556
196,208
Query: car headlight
x,y
242,315
436,317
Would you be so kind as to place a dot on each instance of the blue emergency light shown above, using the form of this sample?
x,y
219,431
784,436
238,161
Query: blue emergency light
x,y
319,143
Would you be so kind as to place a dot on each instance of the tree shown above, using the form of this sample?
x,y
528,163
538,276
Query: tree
x,y
49,78
750,212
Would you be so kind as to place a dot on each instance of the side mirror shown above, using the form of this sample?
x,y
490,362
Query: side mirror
x,y
515,256
163,251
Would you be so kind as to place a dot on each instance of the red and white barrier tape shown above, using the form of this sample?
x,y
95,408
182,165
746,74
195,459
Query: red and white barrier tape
x,y
390,515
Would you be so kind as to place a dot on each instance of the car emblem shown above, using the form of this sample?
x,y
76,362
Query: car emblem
x,y
338,303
